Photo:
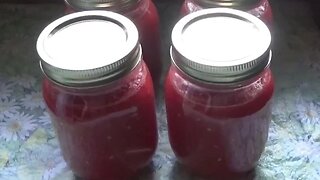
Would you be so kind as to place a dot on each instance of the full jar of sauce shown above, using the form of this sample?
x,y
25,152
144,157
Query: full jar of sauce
x,y
99,94
145,16
218,91
259,8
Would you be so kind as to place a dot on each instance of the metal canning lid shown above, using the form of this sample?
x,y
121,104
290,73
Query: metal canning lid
x,y
221,45
227,3
88,48
101,4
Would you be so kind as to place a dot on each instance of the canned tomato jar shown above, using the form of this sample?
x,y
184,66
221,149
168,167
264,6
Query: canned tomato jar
x,y
218,91
99,94
145,16
259,8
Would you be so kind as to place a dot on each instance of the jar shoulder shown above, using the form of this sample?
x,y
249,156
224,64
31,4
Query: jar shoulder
x,y
134,83
144,9
201,93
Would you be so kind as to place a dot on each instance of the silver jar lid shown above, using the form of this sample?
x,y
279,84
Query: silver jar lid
x,y
227,3
221,45
101,4
88,48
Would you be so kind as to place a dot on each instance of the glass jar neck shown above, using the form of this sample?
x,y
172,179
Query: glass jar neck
x,y
237,4
219,86
112,5
108,86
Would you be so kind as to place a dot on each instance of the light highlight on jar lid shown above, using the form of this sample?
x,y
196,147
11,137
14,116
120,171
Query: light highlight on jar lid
x,y
220,44
87,47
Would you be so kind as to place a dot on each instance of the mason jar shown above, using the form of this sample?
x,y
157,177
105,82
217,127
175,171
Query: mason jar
x,y
99,94
218,91
145,16
259,8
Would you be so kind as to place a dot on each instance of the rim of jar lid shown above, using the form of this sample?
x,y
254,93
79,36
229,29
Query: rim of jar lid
x,y
101,4
224,68
93,72
227,3
230,80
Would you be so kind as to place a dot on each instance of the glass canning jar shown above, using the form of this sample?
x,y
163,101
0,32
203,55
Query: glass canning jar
x,y
99,94
145,16
218,91
259,8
